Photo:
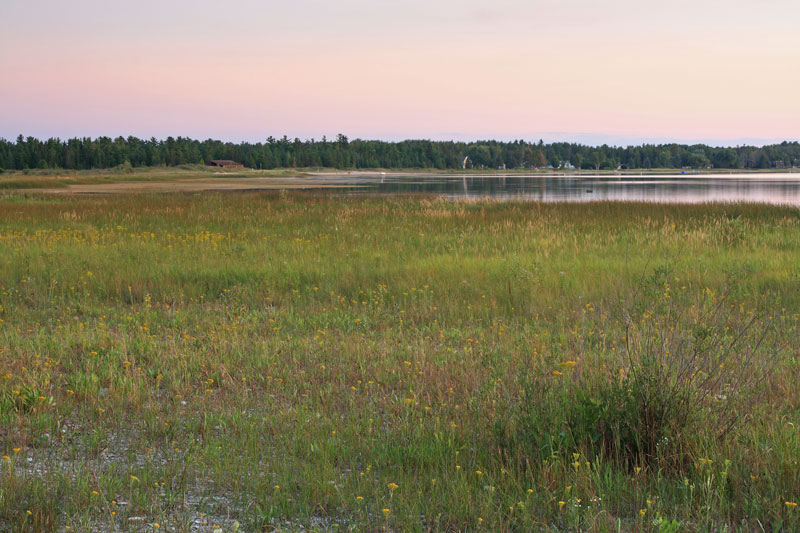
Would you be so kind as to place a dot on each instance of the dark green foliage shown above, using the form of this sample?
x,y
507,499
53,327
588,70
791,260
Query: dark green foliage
x,y
634,421
104,152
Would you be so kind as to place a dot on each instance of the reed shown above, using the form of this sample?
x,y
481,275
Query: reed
x,y
297,360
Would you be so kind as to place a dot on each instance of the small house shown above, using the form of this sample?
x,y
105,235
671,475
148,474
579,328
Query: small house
x,y
224,163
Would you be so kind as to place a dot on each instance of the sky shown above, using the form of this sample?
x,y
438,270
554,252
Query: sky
x,y
590,71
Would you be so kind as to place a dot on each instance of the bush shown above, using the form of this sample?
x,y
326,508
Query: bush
x,y
124,168
685,376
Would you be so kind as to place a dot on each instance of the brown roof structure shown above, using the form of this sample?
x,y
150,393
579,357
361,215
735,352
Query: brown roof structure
x,y
224,163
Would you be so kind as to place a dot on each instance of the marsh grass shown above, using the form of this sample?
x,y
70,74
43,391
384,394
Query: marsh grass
x,y
61,178
287,361
32,183
689,372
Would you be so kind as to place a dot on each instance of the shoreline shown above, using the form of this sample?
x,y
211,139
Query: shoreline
x,y
192,181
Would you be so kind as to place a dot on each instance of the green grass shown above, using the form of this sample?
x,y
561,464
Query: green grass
x,y
59,178
287,361
33,183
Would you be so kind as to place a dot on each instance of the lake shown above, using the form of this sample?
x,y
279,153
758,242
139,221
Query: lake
x,y
771,188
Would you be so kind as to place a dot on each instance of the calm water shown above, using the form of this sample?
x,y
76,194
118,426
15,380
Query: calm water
x,y
783,189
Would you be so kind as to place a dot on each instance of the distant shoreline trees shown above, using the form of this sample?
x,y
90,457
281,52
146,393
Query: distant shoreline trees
x,y
105,152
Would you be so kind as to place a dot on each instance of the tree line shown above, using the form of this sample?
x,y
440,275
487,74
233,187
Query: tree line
x,y
341,152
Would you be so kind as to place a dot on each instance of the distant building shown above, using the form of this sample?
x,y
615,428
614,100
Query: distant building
x,y
224,163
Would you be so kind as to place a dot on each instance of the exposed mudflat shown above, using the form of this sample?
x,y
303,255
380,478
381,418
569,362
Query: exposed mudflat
x,y
194,185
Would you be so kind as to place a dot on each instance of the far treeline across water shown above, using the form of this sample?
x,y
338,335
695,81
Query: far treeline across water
x,y
104,152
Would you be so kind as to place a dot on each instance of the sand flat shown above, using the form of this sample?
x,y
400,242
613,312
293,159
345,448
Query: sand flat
x,y
192,185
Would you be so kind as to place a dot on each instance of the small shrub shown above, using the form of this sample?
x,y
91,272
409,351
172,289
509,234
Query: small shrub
x,y
124,168
685,377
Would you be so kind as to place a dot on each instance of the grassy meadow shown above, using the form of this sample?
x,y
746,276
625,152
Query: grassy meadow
x,y
61,180
285,361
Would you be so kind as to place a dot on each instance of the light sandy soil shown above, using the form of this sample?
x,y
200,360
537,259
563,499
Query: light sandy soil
x,y
194,185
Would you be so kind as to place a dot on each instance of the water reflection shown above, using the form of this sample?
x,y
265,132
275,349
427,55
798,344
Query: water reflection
x,y
763,188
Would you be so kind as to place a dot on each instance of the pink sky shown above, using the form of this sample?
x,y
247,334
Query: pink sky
x,y
617,71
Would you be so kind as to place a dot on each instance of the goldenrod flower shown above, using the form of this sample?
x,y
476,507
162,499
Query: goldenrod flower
x,y
567,364
387,512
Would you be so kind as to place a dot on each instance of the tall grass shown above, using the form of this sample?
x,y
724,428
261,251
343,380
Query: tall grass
x,y
286,361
